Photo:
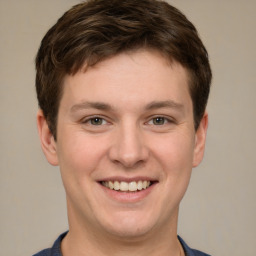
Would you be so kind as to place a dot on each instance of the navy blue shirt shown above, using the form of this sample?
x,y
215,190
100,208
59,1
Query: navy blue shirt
x,y
55,250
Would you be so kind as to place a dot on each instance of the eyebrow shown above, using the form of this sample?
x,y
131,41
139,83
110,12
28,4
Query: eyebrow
x,y
164,104
106,107
87,105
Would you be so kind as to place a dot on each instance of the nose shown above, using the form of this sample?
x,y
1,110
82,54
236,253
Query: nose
x,y
129,148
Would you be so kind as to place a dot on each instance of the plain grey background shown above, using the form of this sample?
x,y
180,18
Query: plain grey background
x,y
218,212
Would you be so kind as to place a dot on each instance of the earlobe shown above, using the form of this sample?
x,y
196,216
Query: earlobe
x,y
48,143
200,140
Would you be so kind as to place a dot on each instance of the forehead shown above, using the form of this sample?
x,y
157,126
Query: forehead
x,y
132,78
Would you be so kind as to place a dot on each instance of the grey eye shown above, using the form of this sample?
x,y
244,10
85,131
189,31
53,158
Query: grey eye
x,y
159,120
96,121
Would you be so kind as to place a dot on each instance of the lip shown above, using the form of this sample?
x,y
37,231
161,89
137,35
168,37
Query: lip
x,y
128,179
128,197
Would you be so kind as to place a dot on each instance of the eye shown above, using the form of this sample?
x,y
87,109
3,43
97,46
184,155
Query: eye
x,y
95,121
159,120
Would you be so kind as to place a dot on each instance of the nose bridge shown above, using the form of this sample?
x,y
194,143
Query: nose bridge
x,y
129,147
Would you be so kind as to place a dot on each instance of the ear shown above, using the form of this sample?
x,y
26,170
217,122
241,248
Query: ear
x,y
48,143
200,139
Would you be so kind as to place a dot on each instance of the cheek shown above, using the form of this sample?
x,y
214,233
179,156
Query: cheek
x,y
80,155
175,152
173,155
79,160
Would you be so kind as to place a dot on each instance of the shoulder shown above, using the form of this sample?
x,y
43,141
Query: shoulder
x,y
55,250
45,252
189,251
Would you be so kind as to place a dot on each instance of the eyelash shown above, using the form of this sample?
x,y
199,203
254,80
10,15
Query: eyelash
x,y
93,118
150,122
160,118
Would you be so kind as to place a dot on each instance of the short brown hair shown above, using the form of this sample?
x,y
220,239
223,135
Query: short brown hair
x,y
98,29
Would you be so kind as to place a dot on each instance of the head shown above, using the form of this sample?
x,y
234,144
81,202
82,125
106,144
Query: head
x,y
96,30
122,87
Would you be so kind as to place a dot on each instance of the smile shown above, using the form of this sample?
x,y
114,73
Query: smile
x,y
124,186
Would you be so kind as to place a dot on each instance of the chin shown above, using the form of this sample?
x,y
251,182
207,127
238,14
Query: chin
x,y
129,225
130,232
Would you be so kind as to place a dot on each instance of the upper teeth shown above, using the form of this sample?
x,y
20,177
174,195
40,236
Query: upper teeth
x,y
126,186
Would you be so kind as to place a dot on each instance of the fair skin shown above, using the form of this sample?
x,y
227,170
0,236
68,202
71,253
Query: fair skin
x,y
124,122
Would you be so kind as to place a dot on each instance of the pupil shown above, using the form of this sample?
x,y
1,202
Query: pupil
x,y
96,121
159,120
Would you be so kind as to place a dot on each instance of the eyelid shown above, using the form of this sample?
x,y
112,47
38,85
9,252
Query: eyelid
x,y
88,118
168,119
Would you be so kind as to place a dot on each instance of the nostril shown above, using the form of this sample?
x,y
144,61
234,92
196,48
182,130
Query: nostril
x,y
128,148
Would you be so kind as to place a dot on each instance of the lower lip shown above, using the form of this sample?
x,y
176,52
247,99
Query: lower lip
x,y
128,197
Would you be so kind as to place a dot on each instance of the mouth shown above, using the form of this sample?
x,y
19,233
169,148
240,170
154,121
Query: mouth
x,y
123,186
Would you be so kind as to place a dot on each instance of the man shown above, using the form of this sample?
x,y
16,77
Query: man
x,y
122,89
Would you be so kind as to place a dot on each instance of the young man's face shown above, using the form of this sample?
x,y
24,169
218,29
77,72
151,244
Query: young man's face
x,y
126,122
